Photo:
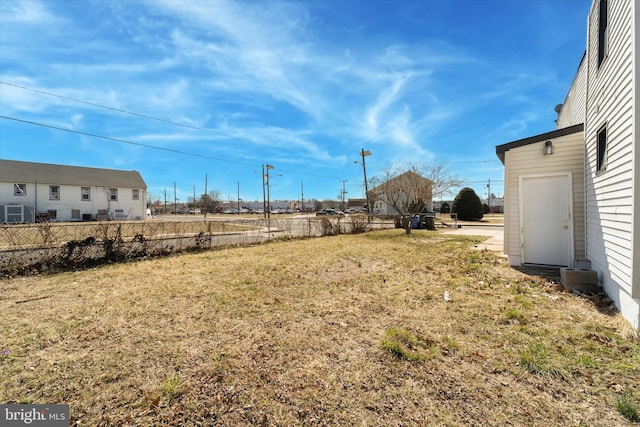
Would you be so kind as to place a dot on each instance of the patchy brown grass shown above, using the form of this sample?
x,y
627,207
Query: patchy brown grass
x,y
347,330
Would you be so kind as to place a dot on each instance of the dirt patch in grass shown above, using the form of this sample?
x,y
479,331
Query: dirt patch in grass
x,y
372,329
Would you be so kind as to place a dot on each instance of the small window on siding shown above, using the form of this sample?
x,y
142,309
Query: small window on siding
x,y
601,157
135,195
19,189
75,213
113,194
54,192
85,194
602,31
53,214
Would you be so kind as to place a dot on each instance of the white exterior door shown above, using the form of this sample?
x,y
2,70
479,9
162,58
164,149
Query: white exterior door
x,y
546,220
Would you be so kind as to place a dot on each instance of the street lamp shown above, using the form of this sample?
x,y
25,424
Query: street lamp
x,y
364,153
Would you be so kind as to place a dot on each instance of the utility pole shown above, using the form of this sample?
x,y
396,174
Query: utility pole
x,y
343,193
302,196
175,199
238,197
206,208
364,154
268,193
489,195
264,196
269,201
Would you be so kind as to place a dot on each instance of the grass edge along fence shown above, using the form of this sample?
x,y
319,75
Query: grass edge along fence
x,y
49,247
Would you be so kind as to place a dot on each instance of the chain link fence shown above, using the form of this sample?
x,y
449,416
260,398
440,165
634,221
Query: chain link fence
x,y
49,246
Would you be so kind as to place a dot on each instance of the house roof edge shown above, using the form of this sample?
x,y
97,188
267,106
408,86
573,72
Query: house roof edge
x,y
501,149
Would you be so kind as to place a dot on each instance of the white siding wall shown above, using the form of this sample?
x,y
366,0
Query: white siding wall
x,y
636,150
610,192
574,109
7,194
70,199
528,160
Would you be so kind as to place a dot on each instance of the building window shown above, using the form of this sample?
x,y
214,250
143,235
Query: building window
x,y
75,213
602,31
85,194
601,157
135,194
53,214
54,192
19,189
13,213
113,194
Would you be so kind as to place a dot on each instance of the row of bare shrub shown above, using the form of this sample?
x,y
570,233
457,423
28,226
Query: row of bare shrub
x,y
51,247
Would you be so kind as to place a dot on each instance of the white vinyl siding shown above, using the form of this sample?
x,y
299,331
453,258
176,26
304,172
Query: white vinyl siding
x,y
573,109
635,284
609,192
528,160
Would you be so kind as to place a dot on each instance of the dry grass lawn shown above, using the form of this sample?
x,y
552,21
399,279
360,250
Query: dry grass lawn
x,y
345,330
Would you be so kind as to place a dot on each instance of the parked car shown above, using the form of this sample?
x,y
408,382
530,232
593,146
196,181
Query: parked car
x,y
329,212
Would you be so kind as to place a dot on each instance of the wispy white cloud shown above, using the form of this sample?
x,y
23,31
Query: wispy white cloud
x,y
300,83
27,12
384,100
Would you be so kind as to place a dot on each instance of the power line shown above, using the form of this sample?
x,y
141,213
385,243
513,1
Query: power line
x,y
139,144
124,141
119,110
107,108
142,116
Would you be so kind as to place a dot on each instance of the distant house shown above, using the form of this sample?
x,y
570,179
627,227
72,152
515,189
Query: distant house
x,y
39,191
592,161
402,190
358,205
496,204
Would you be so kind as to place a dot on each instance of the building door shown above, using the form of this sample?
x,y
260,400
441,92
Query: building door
x,y
546,218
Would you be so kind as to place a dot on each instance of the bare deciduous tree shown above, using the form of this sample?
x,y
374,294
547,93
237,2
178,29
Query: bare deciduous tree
x,y
210,201
443,181
409,189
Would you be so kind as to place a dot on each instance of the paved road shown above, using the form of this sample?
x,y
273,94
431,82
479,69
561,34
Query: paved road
x,y
494,234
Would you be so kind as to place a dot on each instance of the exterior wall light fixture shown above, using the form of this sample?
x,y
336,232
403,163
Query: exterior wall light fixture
x,y
548,148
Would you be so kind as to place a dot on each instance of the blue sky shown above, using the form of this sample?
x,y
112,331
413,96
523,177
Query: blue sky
x,y
220,88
